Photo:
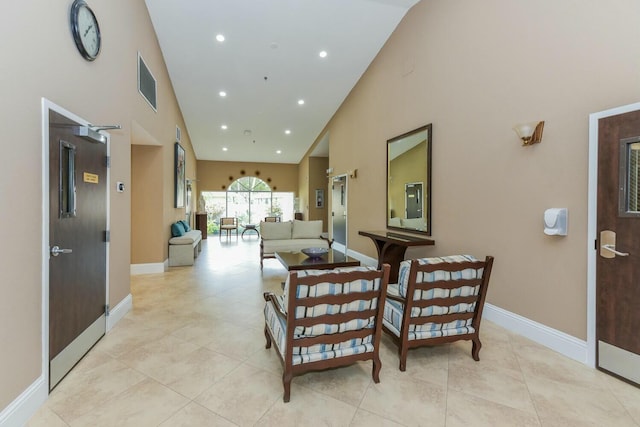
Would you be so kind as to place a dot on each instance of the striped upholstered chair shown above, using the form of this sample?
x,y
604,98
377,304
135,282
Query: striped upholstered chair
x,y
325,319
437,300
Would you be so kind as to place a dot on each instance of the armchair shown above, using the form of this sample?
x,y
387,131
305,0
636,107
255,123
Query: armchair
x,y
437,300
325,319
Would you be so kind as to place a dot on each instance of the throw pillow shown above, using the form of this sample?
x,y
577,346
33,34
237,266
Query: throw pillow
x,y
185,224
275,230
176,229
306,229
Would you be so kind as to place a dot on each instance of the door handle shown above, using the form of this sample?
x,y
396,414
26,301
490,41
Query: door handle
x,y
608,245
55,251
612,248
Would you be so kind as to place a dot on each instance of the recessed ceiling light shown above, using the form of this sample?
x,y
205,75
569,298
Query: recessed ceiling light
x,y
323,54
222,93
300,101
224,149
287,131
278,151
223,127
220,38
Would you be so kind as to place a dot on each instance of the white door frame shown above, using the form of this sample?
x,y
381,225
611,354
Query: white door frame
x,y
46,106
592,222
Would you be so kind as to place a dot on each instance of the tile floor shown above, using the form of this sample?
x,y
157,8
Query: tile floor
x,y
191,353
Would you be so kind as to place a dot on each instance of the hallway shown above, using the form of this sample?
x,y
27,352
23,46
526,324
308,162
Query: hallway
x,y
191,352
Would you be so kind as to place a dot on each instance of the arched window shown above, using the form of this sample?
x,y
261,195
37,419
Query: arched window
x,y
249,199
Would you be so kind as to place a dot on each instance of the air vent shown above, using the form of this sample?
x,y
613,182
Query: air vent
x,y
147,83
178,134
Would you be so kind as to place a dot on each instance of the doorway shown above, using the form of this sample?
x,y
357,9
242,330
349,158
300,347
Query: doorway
x,y
413,200
77,240
339,212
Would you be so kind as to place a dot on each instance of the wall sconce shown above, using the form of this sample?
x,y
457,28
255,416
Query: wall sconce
x,y
530,133
353,173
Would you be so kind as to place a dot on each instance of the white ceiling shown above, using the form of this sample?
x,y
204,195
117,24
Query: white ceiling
x,y
276,39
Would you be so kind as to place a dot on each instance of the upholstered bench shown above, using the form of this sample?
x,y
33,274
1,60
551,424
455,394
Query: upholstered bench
x,y
185,245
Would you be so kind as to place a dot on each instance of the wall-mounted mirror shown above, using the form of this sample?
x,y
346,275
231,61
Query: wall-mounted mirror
x,y
409,181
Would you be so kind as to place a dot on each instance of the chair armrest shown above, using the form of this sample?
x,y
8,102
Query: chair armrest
x,y
325,236
393,293
271,297
396,298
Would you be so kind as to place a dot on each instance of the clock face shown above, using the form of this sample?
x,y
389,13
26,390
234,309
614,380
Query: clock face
x,y
85,29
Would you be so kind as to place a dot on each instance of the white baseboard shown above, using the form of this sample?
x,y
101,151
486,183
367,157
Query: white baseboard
x,y
25,405
366,260
151,268
119,311
564,344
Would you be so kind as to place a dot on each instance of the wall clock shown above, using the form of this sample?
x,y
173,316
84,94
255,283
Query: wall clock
x,y
85,30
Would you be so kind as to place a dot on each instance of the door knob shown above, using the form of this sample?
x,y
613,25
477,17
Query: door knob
x,y
55,251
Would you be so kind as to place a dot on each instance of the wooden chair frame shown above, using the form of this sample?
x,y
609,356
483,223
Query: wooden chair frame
x,y
403,342
226,222
291,370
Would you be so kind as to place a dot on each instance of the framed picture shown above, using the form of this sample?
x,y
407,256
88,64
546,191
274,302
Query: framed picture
x,y
319,198
180,177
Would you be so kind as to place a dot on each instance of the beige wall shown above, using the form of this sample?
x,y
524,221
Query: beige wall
x,y
213,175
39,59
318,180
146,204
474,69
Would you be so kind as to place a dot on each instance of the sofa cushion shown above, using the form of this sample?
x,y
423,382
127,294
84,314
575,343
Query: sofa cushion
x,y
306,229
187,238
275,230
292,245
177,229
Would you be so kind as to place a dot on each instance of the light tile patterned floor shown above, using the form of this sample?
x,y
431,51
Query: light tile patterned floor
x,y
191,353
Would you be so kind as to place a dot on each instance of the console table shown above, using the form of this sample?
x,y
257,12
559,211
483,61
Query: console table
x,y
392,246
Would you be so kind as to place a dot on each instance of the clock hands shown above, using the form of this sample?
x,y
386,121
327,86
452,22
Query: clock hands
x,y
87,30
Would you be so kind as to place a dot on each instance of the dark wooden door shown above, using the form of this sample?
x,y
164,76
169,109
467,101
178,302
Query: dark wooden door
x,y
413,200
77,227
618,259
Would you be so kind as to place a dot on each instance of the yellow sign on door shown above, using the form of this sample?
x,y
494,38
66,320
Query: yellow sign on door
x,y
91,178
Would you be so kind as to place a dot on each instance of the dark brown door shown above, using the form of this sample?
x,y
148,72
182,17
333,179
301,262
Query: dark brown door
x,y
618,259
77,225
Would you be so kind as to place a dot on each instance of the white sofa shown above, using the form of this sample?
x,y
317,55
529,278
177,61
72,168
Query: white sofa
x,y
184,249
289,236
413,223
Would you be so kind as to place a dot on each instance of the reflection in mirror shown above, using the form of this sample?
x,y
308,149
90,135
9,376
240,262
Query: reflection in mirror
x,y
409,181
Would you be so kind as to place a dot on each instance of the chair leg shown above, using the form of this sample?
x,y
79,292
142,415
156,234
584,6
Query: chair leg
x,y
267,335
377,365
286,382
402,352
475,349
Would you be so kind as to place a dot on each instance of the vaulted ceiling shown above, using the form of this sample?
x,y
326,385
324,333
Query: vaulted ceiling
x,y
267,64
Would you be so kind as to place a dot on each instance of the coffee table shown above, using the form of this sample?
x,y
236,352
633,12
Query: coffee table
x,y
299,261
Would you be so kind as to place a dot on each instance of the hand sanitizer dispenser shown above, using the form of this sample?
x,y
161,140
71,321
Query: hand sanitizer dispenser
x,y
555,222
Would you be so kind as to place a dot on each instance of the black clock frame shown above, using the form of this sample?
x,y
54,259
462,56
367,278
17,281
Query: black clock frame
x,y
75,30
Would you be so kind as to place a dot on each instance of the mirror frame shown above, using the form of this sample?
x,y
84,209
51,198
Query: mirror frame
x,y
427,186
